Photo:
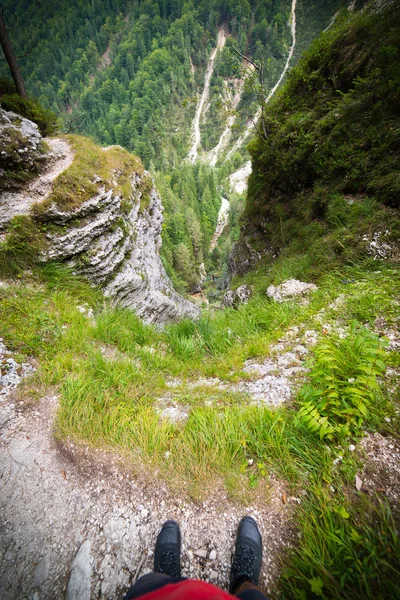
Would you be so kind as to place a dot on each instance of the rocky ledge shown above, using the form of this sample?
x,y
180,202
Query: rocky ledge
x,y
22,151
113,238
119,252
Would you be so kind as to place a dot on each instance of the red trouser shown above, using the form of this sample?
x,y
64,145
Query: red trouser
x,y
155,586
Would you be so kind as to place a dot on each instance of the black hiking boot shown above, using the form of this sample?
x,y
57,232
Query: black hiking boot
x,y
246,564
167,556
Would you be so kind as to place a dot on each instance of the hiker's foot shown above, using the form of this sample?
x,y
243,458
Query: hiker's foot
x,y
246,564
167,556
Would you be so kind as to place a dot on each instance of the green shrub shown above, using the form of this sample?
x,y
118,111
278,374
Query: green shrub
x,y
21,247
45,119
343,384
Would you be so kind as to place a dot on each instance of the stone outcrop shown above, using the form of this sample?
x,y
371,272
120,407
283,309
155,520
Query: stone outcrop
x,y
243,257
290,289
233,298
111,240
21,149
120,253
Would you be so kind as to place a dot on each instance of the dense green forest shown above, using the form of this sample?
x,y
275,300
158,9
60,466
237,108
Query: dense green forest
x,y
126,66
130,73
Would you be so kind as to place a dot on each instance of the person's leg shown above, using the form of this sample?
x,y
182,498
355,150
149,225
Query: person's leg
x,y
246,564
167,559
149,583
249,591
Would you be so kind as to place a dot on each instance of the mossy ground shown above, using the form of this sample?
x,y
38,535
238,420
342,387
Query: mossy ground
x,y
109,373
92,166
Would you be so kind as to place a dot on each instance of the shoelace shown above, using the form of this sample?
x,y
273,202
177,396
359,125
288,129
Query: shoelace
x,y
168,564
243,561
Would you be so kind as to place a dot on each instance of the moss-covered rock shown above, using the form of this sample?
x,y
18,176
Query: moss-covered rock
x,y
22,151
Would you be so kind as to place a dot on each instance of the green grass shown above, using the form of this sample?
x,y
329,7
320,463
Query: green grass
x,y
110,372
46,120
346,553
115,167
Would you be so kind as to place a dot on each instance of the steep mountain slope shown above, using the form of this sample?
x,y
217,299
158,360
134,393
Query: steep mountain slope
x,y
285,406
330,156
134,74
94,208
132,69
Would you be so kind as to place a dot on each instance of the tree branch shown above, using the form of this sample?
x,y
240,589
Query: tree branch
x,y
245,58
21,55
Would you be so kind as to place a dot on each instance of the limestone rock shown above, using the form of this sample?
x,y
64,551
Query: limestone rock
x,y
234,298
243,257
79,581
113,242
290,289
120,253
41,572
21,148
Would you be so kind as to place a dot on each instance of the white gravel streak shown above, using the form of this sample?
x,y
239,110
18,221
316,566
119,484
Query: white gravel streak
x,y
238,179
240,141
193,152
222,222
215,154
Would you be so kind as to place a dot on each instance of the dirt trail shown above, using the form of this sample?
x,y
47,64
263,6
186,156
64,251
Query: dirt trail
x,y
193,153
240,141
19,203
55,500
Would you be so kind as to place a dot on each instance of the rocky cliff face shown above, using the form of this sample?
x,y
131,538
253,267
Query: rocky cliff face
x,y
119,252
22,152
113,238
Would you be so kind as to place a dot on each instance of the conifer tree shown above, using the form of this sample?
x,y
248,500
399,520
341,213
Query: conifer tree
x,y
10,57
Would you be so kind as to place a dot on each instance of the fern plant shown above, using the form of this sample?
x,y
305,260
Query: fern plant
x,y
343,383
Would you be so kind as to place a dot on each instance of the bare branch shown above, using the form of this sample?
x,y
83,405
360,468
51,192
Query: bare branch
x,y
21,55
245,58
74,123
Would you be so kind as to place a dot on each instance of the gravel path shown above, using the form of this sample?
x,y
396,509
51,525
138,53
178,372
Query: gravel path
x,y
55,501
16,203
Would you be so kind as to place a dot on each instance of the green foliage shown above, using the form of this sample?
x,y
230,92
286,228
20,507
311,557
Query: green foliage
x,y
21,247
122,71
332,128
45,119
111,374
191,201
344,554
130,73
343,384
